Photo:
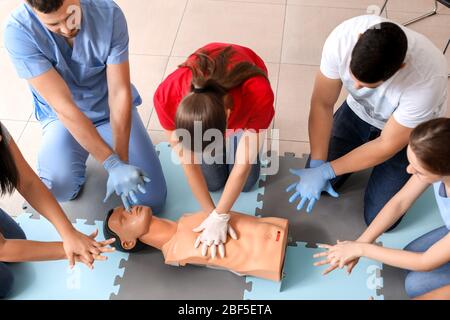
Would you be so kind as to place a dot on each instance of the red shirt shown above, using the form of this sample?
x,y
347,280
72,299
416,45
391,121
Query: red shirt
x,y
253,101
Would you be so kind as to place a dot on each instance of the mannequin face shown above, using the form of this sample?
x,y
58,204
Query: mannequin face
x,y
130,226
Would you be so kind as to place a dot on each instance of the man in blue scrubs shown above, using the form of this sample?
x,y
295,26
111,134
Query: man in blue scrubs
x,y
74,54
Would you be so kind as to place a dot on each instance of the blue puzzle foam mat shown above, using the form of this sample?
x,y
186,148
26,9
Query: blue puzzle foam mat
x,y
180,199
422,218
54,280
304,281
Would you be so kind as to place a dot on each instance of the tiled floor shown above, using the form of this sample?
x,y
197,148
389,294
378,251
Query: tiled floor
x,y
288,34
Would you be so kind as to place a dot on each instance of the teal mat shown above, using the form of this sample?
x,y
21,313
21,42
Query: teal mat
x,y
422,218
54,280
304,281
180,198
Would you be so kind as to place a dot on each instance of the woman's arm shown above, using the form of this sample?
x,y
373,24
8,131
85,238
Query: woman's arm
x,y
40,198
394,209
25,250
345,252
433,258
246,155
390,214
193,174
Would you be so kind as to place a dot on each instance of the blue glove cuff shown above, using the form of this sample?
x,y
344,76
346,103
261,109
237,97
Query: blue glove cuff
x,y
111,162
327,171
315,163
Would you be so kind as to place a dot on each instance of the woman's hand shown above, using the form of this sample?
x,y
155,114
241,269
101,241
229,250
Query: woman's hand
x,y
345,253
82,248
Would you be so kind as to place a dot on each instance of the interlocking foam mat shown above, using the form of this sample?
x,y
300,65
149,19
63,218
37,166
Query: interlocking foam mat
x,y
145,276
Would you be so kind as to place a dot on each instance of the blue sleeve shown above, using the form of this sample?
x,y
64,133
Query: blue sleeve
x,y
120,39
28,60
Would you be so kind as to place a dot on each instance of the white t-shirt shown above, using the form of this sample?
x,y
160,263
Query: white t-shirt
x,y
415,94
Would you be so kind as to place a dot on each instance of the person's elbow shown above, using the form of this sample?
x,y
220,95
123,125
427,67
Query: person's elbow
x,y
387,147
426,263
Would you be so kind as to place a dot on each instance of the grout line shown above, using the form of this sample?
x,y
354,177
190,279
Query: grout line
x,y
251,2
354,8
168,58
279,62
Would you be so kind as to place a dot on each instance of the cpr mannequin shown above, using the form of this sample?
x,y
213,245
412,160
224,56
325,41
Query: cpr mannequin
x,y
259,250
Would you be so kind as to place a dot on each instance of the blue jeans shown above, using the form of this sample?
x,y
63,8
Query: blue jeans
x,y
10,230
350,132
62,161
216,174
419,283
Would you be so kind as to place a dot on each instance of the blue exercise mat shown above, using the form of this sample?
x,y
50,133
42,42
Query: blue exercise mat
x,y
304,281
180,198
53,280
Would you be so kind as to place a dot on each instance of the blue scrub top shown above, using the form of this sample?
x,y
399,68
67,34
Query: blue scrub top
x,y
443,201
102,40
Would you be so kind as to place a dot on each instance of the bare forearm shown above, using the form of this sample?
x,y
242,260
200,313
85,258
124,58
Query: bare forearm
x,y
233,187
37,194
199,187
387,217
320,125
25,250
394,209
40,198
86,134
397,258
366,156
120,104
56,92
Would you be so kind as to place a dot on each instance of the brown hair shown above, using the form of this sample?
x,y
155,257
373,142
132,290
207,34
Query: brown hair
x,y
46,6
9,175
211,82
430,142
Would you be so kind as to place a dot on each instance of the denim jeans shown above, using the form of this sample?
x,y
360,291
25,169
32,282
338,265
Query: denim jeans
x,y
419,283
216,174
10,230
350,132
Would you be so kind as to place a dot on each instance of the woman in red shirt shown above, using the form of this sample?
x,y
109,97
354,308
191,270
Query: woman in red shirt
x,y
224,89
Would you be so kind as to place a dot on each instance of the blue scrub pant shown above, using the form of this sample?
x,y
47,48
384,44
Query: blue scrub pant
x,y
62,161
10,230
419,283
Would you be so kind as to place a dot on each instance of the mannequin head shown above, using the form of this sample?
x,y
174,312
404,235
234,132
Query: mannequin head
x,y
128,227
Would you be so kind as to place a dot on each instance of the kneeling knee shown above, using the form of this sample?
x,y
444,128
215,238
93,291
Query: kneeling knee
x,y
414,287
64,189
6,281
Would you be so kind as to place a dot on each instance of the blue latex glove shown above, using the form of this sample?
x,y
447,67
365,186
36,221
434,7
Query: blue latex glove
x,y
315,163
312,183
125,180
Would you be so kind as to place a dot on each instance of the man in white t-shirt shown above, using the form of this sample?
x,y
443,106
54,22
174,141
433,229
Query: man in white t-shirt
x,y
396,79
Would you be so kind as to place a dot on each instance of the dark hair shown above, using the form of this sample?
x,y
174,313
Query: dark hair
x,y
108,233
379,53
430,142
46,6
211,82
9,176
